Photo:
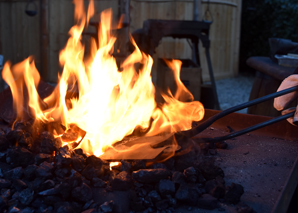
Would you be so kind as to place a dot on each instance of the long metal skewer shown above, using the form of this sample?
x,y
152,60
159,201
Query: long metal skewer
x,y
194,131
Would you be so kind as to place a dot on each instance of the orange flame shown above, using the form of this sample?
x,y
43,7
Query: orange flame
x,y
109,104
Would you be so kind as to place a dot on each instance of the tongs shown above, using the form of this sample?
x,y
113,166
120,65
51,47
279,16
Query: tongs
x,y
196,130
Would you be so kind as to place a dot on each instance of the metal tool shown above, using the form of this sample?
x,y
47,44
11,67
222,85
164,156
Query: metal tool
x,y
196,130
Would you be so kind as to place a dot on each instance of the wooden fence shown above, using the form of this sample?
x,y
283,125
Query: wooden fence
x,y
45,34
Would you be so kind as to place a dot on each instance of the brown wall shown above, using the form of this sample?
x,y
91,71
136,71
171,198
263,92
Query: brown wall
x,y
22,35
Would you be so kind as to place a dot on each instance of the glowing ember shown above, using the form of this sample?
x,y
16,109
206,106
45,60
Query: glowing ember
x,y
113,164
109,104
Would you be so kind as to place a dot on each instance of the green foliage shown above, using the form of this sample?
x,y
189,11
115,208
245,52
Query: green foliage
x,y
264,19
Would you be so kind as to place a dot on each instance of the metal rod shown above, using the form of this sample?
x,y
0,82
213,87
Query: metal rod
x,y
251,128
194,131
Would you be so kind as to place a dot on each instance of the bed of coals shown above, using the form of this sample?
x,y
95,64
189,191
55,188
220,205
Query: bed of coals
x,y
38,175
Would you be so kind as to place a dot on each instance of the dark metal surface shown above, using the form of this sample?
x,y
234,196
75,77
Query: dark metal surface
x,y
264,161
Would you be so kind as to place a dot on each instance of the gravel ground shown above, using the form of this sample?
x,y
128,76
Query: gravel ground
x,y
234,91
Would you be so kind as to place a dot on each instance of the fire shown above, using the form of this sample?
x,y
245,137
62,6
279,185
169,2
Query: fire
x,y
109,104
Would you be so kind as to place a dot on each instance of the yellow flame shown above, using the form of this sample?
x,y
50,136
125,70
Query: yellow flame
x,y
108,104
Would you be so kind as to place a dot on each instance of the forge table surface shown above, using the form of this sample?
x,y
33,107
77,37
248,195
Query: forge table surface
x,y
263,161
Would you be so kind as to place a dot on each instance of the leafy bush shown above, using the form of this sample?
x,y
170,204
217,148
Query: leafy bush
x,y
263,19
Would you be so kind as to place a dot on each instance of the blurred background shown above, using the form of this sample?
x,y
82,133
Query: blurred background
x,y
237,30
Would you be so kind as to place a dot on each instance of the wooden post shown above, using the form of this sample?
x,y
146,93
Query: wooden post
x,y
44,40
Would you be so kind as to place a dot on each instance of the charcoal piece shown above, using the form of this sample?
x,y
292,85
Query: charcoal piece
x,y
41,157
209,170
14,136
212,151
215,187
65,190
6,193
137,165
3,203
52,191
79,151
190,174
27,210
90,172
62,172
14,209
221,145
90,211
26,196
78,163
25,140
185,160
188,193
16,173
19,157
141,192
150,175
121,198
30,171
137,205
234,193
48,184
2,156
48,144
4,143
35,185
23,125
66,207
45,170
170,163
243,208
51,199
82,193
94,161
88,204
98,183
166,187
178,178
4,183
19,184
206,201
162,204
122,181
204,147
75,179
158,166
107,206
172,202
63,156
125,166
5,167
154,196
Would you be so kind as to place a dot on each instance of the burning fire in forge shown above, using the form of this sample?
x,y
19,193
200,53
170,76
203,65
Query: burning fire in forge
x,y
106,105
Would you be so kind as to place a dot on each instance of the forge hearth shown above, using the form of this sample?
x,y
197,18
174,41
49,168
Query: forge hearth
x,y
252,173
